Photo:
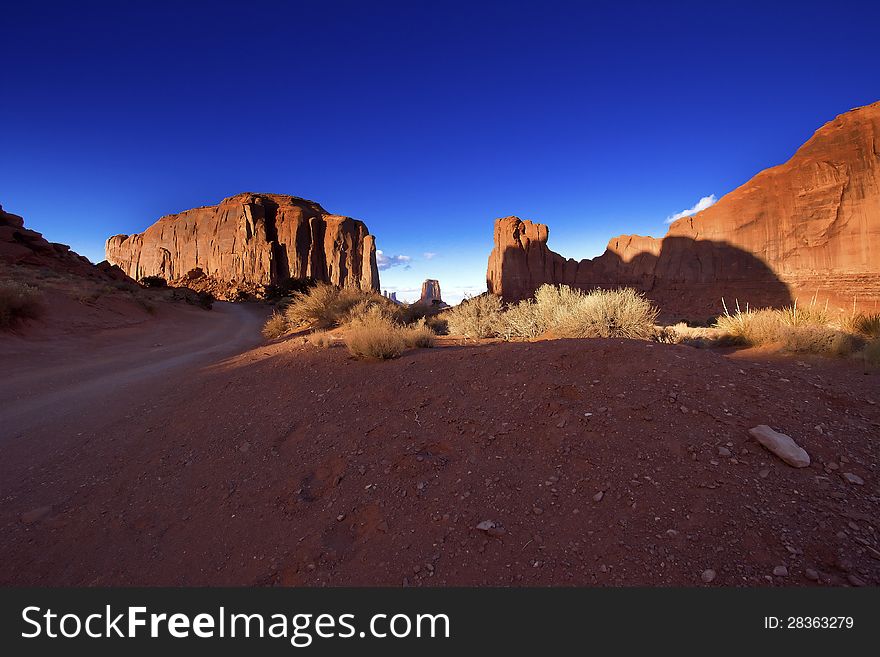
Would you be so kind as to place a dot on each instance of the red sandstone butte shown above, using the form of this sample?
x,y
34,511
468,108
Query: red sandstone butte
x,y
252,239
809,227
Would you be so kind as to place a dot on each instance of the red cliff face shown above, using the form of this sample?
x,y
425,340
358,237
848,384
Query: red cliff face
x,y
252,239
22,247
808,227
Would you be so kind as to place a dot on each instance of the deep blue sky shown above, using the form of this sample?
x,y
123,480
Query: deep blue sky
x,y
426,120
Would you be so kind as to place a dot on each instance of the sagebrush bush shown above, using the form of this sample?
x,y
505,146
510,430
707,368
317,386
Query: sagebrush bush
x,y
561,311
521,322
815,340
749,327
810,315
323,339
19,301
478,317
326,305
438,324
871,353
374,336
622,313
419,335
275,326
805,329
864,324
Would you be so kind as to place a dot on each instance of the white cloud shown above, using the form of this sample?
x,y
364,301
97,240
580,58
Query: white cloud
x,y
700,205
428,255
387,262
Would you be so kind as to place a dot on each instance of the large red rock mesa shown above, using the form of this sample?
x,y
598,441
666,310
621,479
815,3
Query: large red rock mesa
x,y
250,241
807,228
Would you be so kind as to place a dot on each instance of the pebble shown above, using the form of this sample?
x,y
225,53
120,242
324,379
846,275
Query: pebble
x,y
598,496
537,510
811,575
764,473
708,575
723,451
853,478
780,571
855,581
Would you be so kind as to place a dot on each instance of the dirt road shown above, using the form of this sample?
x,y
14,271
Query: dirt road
x,y
55,391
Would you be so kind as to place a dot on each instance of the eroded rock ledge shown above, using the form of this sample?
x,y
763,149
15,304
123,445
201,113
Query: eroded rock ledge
x,y
251,241
809,227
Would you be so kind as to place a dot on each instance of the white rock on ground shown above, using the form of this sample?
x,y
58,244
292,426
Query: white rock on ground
x,y
781,445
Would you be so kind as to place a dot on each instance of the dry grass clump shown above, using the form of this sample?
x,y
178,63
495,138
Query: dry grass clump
x,y
864,324
750,327
375,335
323,339
622,313
275,326
817,340
521,322
420,335
478,317
326,305
561,311
871,353
19,301
809,329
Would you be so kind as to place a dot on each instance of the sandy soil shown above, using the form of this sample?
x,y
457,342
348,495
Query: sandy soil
x,y
164,460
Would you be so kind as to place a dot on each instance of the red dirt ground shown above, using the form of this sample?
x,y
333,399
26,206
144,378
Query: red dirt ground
x,y
294,465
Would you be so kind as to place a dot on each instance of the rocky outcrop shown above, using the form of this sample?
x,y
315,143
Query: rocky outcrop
x,y
251,241
809,227
431,292
22,247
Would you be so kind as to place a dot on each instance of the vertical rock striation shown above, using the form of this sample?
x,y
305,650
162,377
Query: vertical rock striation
x,y
809,227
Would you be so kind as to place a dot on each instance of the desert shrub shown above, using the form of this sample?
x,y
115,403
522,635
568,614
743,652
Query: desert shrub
x,y
438,324
322,339
864,324
372,305
478,317
376,337
622,313
669,334
419,335
750,327
326,305
19,301
871,353
154,281
809,315
811,339
413,312
554,304
807,329
275,326
521,321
